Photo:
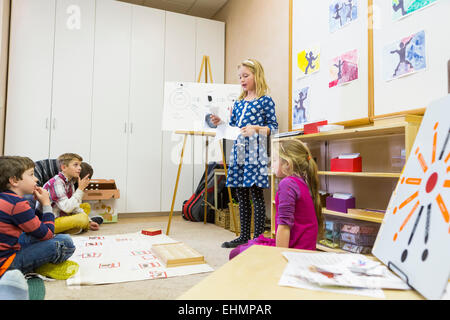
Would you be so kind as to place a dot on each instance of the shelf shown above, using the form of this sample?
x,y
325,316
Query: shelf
x,y
321,247
361,174
381,129
370,216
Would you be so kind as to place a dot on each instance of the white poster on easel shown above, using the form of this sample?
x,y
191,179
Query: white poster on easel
x,y
188,105
414,239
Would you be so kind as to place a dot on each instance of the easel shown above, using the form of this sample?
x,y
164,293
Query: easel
x,y
207,66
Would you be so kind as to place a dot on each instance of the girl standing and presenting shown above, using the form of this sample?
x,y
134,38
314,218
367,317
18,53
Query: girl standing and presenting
x,y
299,219
254,113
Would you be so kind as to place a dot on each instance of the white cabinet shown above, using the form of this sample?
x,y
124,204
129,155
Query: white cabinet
x,y
72,78
32,33
111,94
179,66
87,76
145,112
210,41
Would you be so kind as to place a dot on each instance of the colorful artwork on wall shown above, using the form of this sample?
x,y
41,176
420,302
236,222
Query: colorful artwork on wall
x,y
344,68
405,56
300,107
341,13
403,8
308,61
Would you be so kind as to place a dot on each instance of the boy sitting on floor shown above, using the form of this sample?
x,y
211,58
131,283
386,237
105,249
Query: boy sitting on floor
x,y
69,217
27,241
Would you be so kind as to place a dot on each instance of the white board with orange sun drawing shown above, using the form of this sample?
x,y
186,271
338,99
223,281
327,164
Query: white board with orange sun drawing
x,y
414,239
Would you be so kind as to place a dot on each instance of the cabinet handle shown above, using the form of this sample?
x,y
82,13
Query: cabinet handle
x,y
46,123
125,128
54,123
131,127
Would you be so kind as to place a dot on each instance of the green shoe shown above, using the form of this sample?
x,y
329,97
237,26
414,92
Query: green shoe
x,y
60,271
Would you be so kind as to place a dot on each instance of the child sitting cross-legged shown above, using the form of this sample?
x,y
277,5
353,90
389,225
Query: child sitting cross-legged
x,y
27,239
69,217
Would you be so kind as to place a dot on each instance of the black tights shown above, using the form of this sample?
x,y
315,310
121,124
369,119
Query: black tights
x,y
245,211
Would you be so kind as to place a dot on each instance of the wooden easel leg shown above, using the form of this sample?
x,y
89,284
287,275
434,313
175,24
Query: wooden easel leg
x,y
176,184
229,190
206,181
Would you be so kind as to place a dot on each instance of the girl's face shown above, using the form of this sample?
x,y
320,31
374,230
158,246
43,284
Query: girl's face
x,y
278,166
247,79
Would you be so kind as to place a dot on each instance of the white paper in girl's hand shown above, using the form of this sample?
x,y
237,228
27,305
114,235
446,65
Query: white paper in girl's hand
x,y
225,131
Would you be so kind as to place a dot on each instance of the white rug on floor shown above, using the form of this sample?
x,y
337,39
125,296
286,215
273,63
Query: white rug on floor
x,y
123,258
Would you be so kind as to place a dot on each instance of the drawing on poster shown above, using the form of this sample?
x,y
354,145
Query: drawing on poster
x,y
308,61
300,107
404,57
415,234
344,68
188,106
342,12
402,8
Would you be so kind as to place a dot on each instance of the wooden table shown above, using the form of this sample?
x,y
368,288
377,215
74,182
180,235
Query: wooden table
x,y
254,275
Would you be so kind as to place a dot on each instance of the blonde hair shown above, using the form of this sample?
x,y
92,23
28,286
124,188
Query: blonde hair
x,y
260,81
302,164
66,158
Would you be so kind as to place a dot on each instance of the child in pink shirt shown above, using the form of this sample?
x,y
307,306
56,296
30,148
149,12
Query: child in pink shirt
x,y
299,219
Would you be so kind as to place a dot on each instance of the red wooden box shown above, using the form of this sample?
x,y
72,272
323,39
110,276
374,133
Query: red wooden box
x,y
313,127
346,165
151,232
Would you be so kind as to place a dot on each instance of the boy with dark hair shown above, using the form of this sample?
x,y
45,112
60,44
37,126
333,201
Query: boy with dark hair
x,y
27,241
69,217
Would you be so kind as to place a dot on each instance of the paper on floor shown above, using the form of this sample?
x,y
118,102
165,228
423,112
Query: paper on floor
x,y
123,258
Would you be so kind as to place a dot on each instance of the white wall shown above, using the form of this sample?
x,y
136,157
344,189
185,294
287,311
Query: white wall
x,y
4,36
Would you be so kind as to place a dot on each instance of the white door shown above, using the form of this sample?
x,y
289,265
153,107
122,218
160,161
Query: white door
x,y
30,78
146,103
179,66
72,78
111,94
210,41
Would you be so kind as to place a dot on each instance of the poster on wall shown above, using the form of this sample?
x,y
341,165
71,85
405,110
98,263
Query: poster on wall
x,y
342,13
344,68
308,61
403,8
189,106
414,238
300,107
405,56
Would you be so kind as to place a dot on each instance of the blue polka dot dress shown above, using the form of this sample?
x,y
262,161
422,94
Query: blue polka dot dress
x,y
249,160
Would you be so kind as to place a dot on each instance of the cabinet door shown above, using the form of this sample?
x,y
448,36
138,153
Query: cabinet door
x,y
30,78
179,66
72,78
111,94
145,114
210,41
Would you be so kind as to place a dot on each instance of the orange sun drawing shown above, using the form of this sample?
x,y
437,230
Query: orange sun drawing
x,y
434,171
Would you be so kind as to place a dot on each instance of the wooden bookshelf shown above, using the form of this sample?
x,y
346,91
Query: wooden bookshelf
x,y
361,174
406,125
369,216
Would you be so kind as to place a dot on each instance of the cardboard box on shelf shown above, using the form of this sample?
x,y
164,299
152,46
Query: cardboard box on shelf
x,y
101,195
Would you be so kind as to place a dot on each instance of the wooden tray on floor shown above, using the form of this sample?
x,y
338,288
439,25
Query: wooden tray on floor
x,y
177,254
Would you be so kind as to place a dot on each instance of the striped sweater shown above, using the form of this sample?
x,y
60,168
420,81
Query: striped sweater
x,y
16,216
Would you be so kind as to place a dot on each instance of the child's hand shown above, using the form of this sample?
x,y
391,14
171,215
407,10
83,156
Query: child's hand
x,y
93,226
248,131
42,195
215,120
83,183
